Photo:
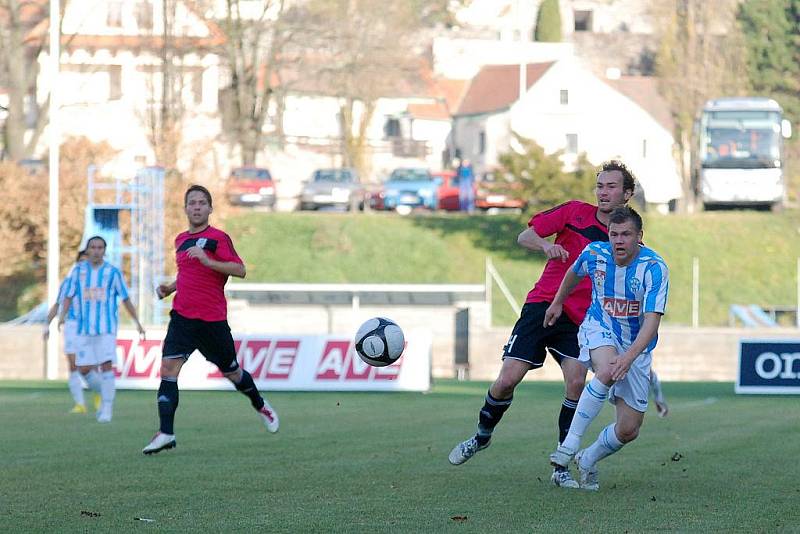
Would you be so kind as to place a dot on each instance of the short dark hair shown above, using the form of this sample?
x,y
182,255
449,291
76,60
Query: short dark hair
x,y
105,245
628,179
197,187
80,253
624,214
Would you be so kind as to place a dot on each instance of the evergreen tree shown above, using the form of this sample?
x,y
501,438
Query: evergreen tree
x,y
541,178
548,22
772,35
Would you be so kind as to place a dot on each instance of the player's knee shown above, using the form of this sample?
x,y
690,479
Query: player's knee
x,y
503,387
170,367
574,386
627,433
604,375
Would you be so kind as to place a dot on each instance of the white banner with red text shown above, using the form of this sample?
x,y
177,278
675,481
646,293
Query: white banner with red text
x,y
280,362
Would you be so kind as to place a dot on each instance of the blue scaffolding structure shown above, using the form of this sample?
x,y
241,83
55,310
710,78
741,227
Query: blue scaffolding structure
x,y
129,215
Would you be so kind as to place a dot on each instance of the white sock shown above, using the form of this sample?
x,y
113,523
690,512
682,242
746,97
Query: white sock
x,y
589,405
76,387
108,391
93,381
607,444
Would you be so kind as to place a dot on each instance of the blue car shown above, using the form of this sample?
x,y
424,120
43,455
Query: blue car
x,y
410,187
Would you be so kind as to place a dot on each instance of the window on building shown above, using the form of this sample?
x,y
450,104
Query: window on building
x,y
583,20
392,127
564,97
572,143
144,15
114,14
114,82
482,143
644,148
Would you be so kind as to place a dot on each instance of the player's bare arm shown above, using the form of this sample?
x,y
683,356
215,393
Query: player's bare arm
x,y
165,290
231,268
132,312
554,310
652,320
64,311
51,314
530,240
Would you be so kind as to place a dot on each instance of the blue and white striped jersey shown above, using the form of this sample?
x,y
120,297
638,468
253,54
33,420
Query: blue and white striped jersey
x,y
63,290
622,295
97,292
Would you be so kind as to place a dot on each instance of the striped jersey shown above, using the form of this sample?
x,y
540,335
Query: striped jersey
x,y
97,292
621,295
63,289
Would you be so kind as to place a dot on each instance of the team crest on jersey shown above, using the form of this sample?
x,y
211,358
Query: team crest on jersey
x,y
599,278
634,284
202,242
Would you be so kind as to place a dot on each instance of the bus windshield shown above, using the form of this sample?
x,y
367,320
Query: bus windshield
x,y
741,139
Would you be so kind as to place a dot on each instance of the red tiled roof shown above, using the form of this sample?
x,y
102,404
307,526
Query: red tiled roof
x,y
643,90
434,111
496,87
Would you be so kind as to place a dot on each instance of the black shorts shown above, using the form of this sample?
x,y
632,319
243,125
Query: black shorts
x,y
529,339
212,338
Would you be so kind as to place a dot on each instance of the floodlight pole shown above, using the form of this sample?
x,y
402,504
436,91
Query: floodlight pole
x,y
53,248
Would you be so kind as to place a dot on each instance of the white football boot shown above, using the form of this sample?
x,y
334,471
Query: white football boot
x,y
159,443
466,450
269,417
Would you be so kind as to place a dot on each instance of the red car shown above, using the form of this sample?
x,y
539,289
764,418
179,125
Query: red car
x,y
448,190
250,186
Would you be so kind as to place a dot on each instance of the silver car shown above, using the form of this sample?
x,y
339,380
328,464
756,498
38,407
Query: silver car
x,y
332,188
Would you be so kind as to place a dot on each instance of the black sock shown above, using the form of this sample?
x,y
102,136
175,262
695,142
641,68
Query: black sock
x,y
248,387
565,417
167,404
491,413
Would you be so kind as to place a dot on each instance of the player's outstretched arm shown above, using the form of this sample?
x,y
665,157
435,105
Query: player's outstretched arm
x,y
132,312
530,240
64,311
231,268
165,290
567,285
648,332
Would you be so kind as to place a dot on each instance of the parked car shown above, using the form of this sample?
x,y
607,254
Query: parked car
x,y
332,187
449,191
250,186
410,188
494,192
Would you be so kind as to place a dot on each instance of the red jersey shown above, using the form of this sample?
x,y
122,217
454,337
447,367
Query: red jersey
x,y
575,225
200,289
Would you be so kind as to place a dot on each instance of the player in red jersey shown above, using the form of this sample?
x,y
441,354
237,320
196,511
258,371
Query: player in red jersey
x,y
575,225
198,320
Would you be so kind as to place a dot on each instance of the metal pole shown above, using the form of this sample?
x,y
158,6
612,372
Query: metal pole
x,y
695,292
53,245
798,293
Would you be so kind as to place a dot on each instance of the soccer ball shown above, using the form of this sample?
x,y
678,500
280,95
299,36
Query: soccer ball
x,y
380,342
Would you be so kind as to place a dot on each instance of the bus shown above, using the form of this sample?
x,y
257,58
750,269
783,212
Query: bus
x,y
739,156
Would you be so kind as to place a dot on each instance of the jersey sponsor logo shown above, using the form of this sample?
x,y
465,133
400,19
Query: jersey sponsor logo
x,y
621,307
340,362
202,242
93,294
207,244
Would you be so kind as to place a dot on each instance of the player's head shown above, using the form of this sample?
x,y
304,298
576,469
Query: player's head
x,y
95,249
197,205
624,233
615,185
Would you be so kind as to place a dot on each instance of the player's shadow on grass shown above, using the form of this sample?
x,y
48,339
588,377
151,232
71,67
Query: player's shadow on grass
x,y
496,234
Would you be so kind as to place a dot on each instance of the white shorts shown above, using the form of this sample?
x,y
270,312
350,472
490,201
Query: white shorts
x,y
95,350
70,337
634,389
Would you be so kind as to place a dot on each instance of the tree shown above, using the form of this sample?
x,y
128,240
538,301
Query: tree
x,y
548,22
253,50
701,56
19,69
772,36
362,50
541,178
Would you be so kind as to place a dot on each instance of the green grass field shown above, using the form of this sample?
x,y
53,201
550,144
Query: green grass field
x,y
368,462
746,257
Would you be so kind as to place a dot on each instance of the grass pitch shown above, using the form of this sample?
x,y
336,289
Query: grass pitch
x,y
371,462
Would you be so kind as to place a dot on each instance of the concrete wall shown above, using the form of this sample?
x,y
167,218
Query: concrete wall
x,y
683,353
